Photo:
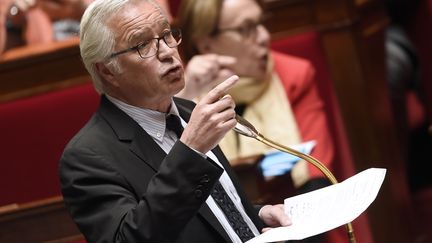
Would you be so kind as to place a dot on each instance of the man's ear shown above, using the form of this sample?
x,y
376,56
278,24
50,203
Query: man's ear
x,y
106,73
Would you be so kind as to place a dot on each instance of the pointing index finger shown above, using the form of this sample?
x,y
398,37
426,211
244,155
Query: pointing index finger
x,y
221,89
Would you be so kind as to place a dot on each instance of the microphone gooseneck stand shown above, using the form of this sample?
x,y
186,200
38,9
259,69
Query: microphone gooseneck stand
x,y
247,129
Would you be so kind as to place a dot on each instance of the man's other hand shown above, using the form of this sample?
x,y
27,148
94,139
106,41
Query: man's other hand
x,y
274,216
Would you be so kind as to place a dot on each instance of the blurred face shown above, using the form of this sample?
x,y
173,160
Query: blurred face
x,y
242,36
147,82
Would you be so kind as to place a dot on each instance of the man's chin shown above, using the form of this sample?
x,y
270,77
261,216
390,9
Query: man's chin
x,y
179,85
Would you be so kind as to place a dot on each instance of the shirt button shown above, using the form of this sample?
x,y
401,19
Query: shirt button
x,y
198,193
205,179
158,135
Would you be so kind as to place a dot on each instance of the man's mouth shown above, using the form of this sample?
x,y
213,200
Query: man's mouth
x,y
174,72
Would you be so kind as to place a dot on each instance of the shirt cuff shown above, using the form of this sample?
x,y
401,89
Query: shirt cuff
x,y
198,152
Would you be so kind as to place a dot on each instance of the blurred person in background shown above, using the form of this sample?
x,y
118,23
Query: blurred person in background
x,y
407,92
22,22
27,22
66,15
277,93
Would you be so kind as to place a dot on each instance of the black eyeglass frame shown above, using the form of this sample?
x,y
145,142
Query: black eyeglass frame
x,y
140,45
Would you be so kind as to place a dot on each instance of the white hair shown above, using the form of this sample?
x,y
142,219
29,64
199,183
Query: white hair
x,y
97,39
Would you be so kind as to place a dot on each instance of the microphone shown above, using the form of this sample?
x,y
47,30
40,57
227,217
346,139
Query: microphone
x,y
245,128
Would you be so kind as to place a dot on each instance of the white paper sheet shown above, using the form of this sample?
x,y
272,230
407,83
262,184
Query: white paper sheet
x,y
327,208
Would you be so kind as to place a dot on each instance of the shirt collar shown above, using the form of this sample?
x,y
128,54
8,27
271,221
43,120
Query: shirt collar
x,y
153,122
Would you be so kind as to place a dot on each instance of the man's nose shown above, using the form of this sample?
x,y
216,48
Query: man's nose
x,y
164,50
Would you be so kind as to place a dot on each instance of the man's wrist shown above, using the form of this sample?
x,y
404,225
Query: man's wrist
x,y
198,152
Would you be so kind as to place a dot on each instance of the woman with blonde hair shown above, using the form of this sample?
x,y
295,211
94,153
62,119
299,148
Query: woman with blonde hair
x,y
276,92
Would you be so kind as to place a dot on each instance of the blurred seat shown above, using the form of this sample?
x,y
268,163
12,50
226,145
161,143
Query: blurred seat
x,y
307,45
35,131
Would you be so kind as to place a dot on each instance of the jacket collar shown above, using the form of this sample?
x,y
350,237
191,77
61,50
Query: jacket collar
x,y
128,130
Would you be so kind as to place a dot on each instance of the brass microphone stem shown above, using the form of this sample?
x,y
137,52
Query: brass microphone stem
x,y
306,157
314,162
247,129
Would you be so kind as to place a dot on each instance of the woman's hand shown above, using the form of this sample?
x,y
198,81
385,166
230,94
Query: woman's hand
x,y
204,72
64,9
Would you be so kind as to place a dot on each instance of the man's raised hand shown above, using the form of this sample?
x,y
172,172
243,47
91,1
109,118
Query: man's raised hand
x,y
212,118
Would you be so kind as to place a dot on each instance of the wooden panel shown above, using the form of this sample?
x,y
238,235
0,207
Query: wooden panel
x,y
357,61
371,134
40,221
36,69
360,3
352,36
283,16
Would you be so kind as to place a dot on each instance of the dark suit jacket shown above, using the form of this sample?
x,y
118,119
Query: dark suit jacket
x,y
120,186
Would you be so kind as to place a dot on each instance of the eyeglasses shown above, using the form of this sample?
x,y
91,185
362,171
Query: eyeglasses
x,y
149,48
248,30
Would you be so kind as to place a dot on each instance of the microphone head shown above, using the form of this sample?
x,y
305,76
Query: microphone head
x,y
245,128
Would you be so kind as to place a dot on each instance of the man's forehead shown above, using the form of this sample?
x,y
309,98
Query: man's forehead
x,y
144,9
138,19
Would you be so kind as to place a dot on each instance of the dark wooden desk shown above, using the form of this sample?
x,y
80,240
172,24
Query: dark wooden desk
x,y
39,221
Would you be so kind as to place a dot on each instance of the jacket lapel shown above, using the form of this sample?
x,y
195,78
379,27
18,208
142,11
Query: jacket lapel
x,y
127,130
152,155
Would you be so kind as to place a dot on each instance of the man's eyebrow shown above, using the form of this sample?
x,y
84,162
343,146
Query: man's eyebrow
x,y
146,33
140,35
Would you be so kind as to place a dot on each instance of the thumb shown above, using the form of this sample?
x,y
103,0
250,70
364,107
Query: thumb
x,y
265,229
